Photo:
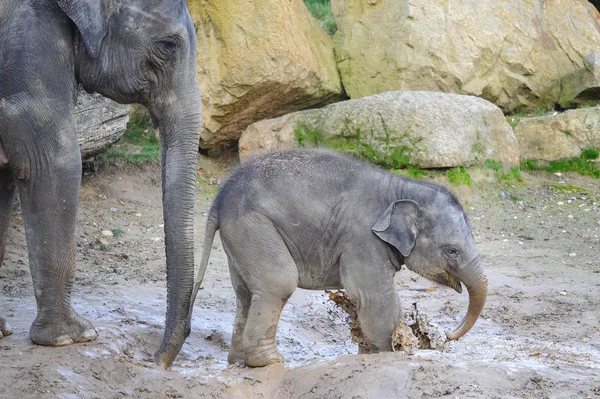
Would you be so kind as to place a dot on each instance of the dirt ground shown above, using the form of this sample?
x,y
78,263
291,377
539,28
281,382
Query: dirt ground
x,y
538,337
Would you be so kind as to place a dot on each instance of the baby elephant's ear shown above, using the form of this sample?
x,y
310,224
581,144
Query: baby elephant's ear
x,y
397,225
91,19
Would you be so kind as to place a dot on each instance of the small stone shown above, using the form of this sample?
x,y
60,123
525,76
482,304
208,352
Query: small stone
x,y
102,244
107,233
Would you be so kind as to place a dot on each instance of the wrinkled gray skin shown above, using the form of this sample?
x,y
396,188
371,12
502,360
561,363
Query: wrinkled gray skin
x,y
318,220
133,51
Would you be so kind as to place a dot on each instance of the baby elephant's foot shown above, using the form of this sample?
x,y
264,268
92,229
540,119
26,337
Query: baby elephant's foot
x,y
61,331
263,355
235,356
4,328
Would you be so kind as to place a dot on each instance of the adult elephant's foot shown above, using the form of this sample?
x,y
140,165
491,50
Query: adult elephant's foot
x,y
4,328
263,355
52,330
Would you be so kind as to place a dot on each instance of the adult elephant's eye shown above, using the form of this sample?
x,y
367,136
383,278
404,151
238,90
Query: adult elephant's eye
x,y
166,47
451,252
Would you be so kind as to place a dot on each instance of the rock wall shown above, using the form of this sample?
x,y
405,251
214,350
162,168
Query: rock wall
x,y
513,53
259,59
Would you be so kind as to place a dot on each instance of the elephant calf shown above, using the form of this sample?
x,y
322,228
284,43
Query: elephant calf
x,y
319,220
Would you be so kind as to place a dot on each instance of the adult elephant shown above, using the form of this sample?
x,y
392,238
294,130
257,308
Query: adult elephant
x,y
132,51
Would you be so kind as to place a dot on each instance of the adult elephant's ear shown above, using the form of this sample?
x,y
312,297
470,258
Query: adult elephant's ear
x,y
397,225
91,19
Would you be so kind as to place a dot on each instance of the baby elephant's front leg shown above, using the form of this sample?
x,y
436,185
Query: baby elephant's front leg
x,y
378,306
260,344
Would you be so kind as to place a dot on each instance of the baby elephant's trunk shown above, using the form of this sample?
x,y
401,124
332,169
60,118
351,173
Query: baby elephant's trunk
x,y
473,278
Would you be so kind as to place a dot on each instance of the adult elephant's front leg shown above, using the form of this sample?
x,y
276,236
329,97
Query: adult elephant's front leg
x,y
49,184
7,191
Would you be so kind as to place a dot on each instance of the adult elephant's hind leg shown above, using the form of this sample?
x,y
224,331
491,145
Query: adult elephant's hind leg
x,y
7,193
49,191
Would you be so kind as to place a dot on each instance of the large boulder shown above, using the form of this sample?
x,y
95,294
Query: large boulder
x,y
424,129
559,135
510,52
259,59
582,86
99,123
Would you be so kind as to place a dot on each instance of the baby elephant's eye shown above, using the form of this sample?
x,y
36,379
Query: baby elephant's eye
x,y
451,252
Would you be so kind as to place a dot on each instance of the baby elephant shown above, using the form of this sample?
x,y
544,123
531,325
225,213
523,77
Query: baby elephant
x,y
319,220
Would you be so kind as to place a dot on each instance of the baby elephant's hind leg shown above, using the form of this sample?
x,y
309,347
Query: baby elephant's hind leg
x,y
243,296
269,272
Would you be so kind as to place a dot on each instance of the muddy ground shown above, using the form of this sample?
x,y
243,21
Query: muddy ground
x,y
538,337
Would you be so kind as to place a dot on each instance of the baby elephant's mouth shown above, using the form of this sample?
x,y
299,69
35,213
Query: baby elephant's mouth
x,y
448,280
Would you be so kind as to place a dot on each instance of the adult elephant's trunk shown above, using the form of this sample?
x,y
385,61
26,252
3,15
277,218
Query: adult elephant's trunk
x,y
179,123
474,279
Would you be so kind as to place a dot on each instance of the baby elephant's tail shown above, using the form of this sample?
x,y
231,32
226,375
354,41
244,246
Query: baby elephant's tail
x,y
212,225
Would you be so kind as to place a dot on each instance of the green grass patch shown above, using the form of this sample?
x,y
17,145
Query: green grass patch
x,y
117,232
416,173
493,165
511,175
459,176
584,164
413,173
590,154
397,158
321,10
139,144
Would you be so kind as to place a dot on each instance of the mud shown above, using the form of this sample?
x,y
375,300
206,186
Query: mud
x,y
538,336
416,331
